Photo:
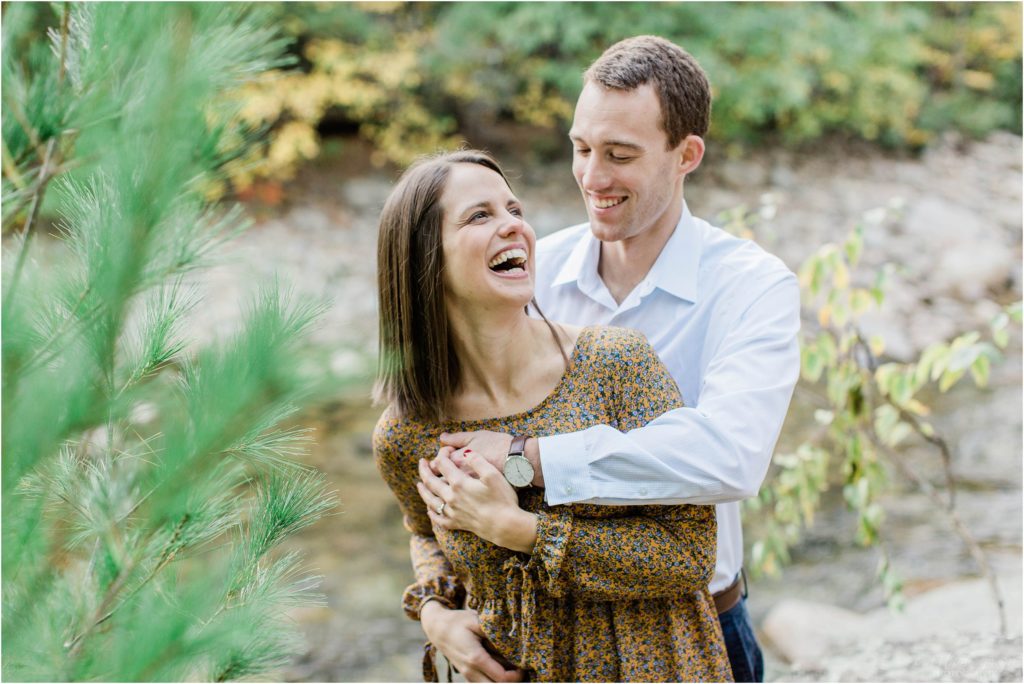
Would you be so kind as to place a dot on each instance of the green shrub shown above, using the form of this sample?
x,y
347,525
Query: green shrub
x,y
414,77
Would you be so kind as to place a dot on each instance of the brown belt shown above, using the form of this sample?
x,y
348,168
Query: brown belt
x,y
727,599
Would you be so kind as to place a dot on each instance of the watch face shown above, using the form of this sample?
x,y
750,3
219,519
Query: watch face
x,y
518,471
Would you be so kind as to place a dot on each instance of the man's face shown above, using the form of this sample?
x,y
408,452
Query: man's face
x,y
629,180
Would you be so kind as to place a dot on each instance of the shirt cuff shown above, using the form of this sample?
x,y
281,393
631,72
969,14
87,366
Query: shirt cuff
x,y
565,464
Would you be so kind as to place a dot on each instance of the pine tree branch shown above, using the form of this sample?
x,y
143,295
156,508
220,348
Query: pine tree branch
x,y
978,553
105,612
54,338
15,110
45,174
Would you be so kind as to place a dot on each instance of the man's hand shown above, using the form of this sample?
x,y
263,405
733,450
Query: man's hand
x,y
483,503
493,446
457,634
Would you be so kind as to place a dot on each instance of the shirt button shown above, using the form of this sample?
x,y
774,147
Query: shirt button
x,y
568,489
643,491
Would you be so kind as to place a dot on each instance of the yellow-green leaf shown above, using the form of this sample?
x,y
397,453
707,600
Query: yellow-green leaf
x,y
980,370
877,345
949,379
854,245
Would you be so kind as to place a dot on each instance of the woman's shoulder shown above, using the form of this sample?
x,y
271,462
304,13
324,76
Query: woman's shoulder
x,y
607,342
395,431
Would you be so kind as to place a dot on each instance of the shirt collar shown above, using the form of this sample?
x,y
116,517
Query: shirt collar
x,y
674,271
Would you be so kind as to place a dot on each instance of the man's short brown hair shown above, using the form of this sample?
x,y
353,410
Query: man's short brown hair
x,y
677,78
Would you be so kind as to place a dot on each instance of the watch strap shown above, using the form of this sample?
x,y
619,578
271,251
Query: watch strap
x,y
518,445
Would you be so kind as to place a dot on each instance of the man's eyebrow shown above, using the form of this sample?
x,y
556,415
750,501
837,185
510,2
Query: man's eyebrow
x,y
611,143
623,143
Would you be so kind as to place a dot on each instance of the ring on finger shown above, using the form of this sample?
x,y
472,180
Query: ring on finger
x,y
440,509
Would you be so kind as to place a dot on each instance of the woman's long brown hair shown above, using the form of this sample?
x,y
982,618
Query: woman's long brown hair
x,y
418,371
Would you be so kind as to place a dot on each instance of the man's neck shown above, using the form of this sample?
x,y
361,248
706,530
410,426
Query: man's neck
x,y
625,263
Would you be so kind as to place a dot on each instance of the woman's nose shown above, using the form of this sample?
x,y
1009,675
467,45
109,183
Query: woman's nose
x,y
513,224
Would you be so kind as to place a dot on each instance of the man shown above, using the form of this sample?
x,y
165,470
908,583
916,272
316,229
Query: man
x,y
722,314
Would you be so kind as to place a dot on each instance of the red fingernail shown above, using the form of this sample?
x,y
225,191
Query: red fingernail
x,y
469,451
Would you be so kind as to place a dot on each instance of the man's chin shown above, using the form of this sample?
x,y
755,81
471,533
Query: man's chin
x,y
606,232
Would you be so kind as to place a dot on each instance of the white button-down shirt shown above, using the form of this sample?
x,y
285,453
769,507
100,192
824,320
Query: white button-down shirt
x,y
723,315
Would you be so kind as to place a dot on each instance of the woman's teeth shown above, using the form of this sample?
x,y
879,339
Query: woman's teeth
x,y
511,259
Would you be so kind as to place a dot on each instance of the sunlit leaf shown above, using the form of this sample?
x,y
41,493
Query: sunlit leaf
x,y
980,370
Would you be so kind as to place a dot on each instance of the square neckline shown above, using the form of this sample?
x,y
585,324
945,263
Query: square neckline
x,y
577,352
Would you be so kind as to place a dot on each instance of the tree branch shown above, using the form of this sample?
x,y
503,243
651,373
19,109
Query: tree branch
x,y
965,535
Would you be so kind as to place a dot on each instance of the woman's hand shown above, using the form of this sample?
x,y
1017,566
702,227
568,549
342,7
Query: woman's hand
x,y
457,634
485,505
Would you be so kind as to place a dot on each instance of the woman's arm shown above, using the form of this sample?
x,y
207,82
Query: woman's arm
x,y
655,552
435,578
436,597
650,552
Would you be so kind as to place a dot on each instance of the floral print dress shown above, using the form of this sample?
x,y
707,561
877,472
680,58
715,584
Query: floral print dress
x,y
610,593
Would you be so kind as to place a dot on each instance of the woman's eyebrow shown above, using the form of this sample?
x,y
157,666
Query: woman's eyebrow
x,y
479,205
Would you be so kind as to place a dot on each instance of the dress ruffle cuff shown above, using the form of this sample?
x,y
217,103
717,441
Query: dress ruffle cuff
x,y
554,530
447,590
510,621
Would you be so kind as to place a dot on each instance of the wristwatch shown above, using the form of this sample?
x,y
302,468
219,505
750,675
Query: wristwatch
x,y
517,469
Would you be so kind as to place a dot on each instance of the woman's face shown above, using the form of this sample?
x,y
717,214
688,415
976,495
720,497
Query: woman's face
x,y
488,246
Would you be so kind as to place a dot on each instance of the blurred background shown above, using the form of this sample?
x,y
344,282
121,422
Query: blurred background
x,y
900,119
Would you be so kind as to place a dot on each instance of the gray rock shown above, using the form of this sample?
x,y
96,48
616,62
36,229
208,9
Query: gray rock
x,y
943,635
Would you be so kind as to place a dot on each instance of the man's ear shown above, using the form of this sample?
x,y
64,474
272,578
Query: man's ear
x,y
691,152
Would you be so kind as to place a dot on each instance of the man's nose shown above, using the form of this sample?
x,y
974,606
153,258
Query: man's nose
x,y
594,174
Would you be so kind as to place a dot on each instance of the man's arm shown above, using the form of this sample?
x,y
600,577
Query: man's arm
x,y
715,452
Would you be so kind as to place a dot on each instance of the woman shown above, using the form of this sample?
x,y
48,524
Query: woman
x,y
566,593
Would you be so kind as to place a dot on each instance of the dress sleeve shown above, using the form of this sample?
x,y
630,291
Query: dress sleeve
x,y
655,552
435,578
647,551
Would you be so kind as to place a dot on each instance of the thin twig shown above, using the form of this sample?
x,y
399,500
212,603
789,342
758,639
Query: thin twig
x,y
37,201
24,201
11,169
938,442
75,645
915,423
65,24
965,535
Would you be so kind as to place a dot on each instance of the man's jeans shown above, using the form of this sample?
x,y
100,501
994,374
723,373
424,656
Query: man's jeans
x,y
744,653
